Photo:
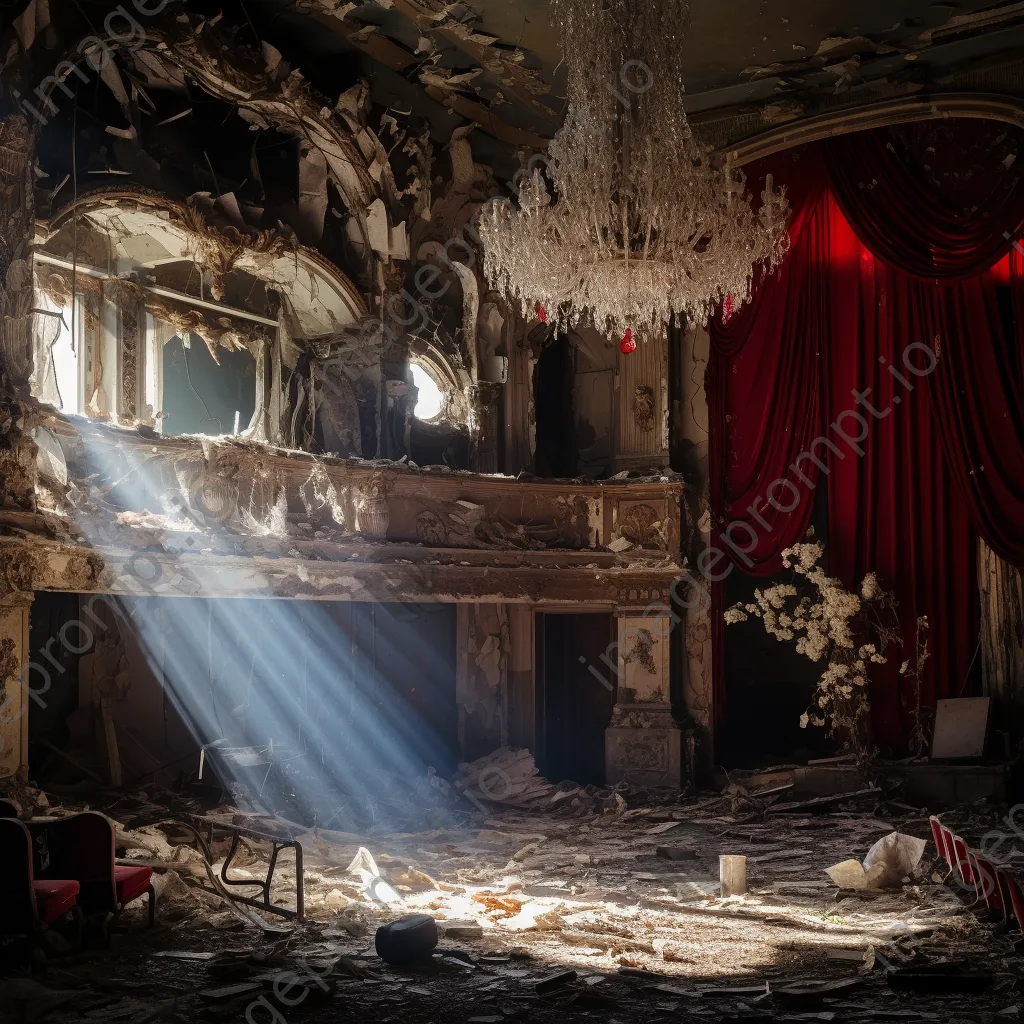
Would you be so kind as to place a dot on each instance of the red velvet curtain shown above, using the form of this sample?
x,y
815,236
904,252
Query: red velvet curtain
x,y
935,445
909,218
896,508
977,392
762,383
763,391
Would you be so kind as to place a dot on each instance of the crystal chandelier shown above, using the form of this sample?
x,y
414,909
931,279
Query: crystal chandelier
x,y
630,221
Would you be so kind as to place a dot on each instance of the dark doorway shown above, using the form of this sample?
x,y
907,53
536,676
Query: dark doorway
x,y
574,706
552,391
55,643
767,687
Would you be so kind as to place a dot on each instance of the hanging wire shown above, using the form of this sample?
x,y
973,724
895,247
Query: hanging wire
x,y
209,418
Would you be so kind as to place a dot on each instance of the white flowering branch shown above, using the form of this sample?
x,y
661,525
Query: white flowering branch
x,y
848,631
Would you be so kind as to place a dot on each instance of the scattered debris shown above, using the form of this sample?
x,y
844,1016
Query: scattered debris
x,y
505,777
889,862
627,921
555,982
676,853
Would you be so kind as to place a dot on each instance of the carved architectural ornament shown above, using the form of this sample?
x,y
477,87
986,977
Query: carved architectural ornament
x,y
209,484
16,575
466,524
644,407
9,665
644,753
219,248
372,513
641,526
642,651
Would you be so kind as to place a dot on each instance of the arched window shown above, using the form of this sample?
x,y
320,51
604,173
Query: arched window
x,y
431,396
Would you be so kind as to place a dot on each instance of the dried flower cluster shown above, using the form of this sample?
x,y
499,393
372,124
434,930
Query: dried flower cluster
x,y
848,631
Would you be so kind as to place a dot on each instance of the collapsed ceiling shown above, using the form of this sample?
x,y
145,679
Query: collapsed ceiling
x,y
499,64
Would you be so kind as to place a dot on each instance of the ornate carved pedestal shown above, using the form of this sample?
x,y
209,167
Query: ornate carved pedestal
x,y
643,744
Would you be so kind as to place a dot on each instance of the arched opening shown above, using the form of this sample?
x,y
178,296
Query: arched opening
x,y
430,397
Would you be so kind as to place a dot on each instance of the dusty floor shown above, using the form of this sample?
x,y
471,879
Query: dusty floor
x,y
524,896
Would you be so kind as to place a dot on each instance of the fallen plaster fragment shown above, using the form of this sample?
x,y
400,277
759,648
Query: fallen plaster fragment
x,y
272,57
831,45
377,227
890,860
399,242
898,855
313,176
850,874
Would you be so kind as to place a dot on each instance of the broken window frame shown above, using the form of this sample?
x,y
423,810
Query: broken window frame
x,y
126,365
94,321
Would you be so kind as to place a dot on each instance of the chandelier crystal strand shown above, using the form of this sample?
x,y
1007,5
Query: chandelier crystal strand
x,y
638,223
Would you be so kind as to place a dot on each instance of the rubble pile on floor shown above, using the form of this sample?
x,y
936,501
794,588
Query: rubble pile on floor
x,y
615,913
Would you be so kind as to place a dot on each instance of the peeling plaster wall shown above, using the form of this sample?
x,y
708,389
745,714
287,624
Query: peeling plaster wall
x,y
14,658
642,407
520,439
521,678
484,647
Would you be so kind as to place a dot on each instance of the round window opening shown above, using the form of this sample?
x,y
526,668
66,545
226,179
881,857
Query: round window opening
x,y
430,400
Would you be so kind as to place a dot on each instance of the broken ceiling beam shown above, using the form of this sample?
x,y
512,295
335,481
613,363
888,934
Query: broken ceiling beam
x,y
290,105
166,293
478,113
965,24
377,46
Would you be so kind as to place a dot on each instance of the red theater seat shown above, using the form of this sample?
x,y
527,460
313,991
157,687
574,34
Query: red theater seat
x,y
939,838
962,863
54,898
1012,888
988,883
82,847
28,904
131,883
